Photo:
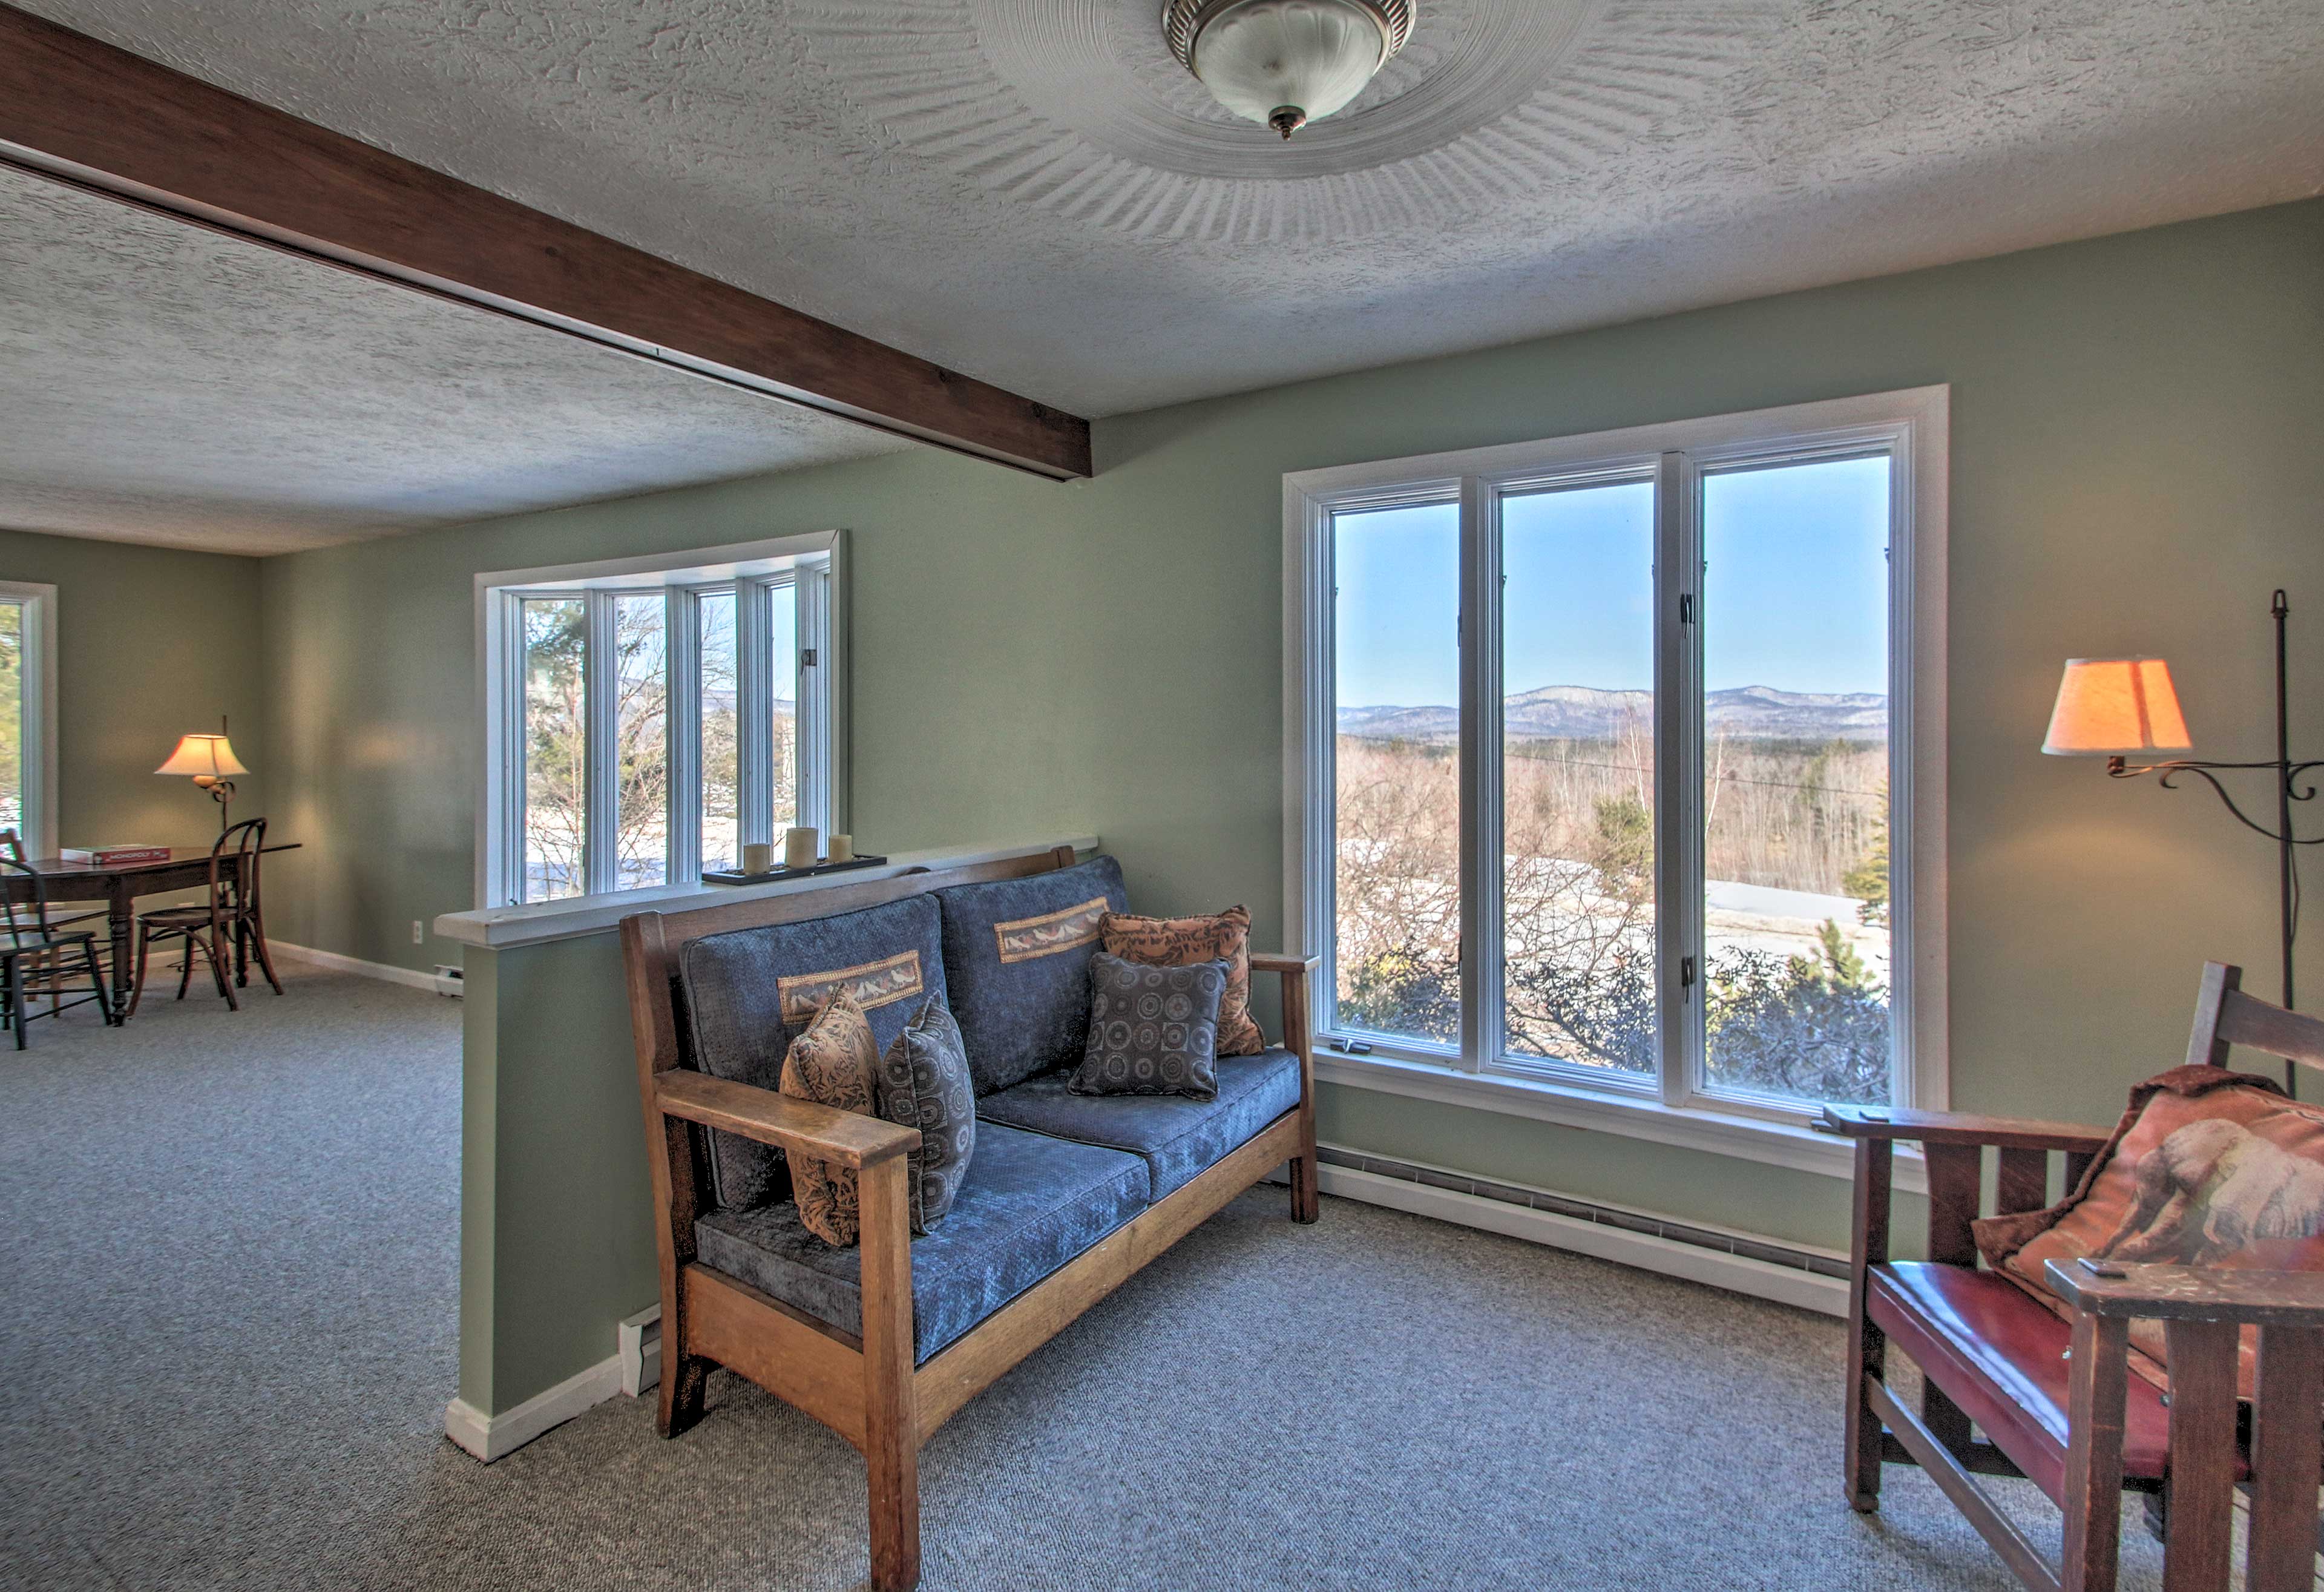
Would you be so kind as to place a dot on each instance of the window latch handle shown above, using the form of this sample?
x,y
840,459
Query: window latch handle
x,y
1686,976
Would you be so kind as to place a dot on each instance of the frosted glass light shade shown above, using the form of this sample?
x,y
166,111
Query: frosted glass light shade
x,y
211,756
2115,708
1288,62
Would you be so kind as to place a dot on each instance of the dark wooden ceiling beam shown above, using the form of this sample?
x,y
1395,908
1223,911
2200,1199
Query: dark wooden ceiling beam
x,y
79,109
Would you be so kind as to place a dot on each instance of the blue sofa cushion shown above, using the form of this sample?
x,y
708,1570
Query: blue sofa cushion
x,y
1029,1205
1179,1138
746,995
1017,955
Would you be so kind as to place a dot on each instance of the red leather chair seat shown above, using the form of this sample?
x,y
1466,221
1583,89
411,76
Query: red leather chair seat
x,y
2002,1358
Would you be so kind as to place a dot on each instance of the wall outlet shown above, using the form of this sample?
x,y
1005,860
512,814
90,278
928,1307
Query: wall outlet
x,y
418,937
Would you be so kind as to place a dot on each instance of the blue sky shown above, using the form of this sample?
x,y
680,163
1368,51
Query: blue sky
x,y
1794,588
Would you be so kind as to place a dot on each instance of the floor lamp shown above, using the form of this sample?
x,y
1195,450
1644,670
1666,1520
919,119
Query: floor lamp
x,y
2119,708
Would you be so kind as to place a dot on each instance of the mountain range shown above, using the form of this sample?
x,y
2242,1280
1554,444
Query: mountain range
x,y
1582,713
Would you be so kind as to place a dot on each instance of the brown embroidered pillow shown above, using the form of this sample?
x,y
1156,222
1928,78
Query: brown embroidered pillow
x,y
2208,1168
1181,942
834,1063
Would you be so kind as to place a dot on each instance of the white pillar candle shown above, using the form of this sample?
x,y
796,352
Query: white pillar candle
x,y
841,848
799,848
759,857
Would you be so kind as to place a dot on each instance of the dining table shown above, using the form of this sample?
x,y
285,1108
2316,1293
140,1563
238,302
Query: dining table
x,y
118,886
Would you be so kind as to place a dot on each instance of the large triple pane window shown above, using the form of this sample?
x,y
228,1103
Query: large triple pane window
x,y
1618,738
649,724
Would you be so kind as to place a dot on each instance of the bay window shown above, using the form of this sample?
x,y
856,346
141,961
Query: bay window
x,y
649,717
1616,763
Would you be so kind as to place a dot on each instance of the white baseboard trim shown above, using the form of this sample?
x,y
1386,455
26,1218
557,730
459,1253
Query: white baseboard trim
x,y
1737,1273
385,972
641,1352
489,1437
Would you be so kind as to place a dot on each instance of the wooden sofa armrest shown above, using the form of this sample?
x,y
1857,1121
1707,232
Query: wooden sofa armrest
x,y
1960,1128
1275,962
2192,1293
817,1132
1296,1036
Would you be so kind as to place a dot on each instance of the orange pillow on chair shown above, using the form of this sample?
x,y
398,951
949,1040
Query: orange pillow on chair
x,y
2208,1168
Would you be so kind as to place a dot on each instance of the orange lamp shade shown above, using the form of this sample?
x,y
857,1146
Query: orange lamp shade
x,y
2115,708
211,757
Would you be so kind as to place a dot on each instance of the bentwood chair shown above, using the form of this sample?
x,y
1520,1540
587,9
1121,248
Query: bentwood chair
x,y
37,948
14,848
229,921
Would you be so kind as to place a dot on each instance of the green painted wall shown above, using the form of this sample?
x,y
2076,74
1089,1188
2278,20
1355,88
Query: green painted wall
x,y
556,1240
2134,468
151,642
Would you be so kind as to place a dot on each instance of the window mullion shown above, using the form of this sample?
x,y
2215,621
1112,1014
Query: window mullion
x,y
506,723
683,725
1315,871
1481,782
601,761
753,748
814,750
1678,776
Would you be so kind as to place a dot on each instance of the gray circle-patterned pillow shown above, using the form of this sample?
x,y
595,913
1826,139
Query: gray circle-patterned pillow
x,y
924,1083
1153,1031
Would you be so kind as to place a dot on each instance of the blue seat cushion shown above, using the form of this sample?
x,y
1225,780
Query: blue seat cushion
x,y
1017,958
1029,1205
745,995
1179,1138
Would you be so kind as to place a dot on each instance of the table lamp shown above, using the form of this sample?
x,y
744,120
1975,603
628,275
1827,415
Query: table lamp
x,y
2119,708
209,759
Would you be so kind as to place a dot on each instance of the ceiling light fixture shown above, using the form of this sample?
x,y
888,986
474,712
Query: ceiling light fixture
x,y
1286,62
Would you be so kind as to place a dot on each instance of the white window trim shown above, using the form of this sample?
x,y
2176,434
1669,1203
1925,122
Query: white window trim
x,y
815,564
1913,425
37,731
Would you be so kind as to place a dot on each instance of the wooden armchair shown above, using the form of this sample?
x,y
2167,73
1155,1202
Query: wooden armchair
x,y
2052,1400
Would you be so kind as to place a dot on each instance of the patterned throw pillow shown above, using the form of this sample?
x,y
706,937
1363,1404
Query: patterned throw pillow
x,y
1175,942
2208,1168
1153,1031
833,1063
924,1084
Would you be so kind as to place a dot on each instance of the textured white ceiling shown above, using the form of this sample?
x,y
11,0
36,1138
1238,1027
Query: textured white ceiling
x,y
1031,191
165,383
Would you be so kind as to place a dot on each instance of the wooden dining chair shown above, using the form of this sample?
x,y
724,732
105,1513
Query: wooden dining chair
x,y
37,948
13,846
230,921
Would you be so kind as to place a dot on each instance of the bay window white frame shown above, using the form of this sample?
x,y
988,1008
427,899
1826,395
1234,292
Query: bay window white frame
x,y
1908,427
808,571
36,724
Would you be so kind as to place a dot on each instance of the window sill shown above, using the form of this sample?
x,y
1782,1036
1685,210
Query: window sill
x,y
499,928
1793,1147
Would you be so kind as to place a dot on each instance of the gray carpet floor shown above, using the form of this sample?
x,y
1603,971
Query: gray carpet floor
x,y
229,1288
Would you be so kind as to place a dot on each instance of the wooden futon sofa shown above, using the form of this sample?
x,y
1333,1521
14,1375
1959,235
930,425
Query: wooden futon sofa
x,y
1066,1196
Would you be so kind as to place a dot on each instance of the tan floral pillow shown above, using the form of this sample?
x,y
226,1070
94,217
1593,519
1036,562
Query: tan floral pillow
x,y
835,1063
2208,1168
1181,942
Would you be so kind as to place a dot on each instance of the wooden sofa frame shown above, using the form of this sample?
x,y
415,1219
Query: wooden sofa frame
x,y
867,1389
